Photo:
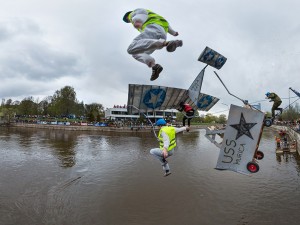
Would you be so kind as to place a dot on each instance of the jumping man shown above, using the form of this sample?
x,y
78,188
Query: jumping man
x,y
153,36
167,137
277,102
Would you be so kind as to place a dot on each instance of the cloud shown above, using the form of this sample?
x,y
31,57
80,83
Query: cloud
x,y
15,28
27,60
48,45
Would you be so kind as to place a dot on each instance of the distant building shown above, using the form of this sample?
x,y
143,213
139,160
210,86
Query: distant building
x,y
120,113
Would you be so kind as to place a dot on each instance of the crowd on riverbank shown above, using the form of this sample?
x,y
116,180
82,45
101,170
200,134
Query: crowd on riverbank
x,y
103,122
294,124
128,124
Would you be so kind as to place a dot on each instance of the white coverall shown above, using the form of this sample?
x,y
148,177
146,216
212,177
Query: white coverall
x,y
152,38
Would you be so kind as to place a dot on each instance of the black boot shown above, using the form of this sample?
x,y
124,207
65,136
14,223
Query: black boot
x,y
156,71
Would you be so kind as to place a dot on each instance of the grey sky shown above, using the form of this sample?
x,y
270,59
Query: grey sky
x,y
46,45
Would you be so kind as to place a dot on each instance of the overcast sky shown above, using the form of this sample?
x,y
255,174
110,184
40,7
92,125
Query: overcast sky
x,y
46,45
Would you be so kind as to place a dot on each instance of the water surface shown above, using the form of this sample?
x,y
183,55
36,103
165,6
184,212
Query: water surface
x,y
69,178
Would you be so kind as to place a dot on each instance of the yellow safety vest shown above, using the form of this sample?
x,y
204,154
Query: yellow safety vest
x,y
170,131
153,18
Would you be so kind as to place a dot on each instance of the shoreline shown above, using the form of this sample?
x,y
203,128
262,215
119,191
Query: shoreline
x,y
94,128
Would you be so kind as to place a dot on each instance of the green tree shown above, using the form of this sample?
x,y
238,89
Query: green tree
x,y
8,102
43,106
8,113
198,118
222,119
94,111
292,113
27,107
80,109
210,118
7,110
63,102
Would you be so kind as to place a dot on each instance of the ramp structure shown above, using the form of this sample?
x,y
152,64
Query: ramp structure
x,y
148,98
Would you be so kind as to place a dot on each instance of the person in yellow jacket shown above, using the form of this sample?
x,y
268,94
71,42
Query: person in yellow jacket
x,y
167,137
153,36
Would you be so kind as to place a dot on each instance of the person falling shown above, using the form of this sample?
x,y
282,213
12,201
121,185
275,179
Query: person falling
x,y
189,113
167,139
153,36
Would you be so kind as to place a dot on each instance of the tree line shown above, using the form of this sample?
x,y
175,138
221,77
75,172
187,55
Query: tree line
x,y
62,104
208,118
291,113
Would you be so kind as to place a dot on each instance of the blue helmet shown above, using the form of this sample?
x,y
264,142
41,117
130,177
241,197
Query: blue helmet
x,y
160,122
267,94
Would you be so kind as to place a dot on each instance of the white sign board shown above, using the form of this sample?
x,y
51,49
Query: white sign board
x,y
212,58
240,139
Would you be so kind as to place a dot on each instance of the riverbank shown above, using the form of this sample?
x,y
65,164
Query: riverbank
x,y
144,129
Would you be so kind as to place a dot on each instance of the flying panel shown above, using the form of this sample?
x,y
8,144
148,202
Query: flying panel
x,y
212,58
148,98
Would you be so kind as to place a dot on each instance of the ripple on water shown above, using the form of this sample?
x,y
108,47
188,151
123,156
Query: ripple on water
x,y
55,177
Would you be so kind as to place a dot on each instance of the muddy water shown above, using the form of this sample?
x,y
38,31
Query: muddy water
x,y
70,178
